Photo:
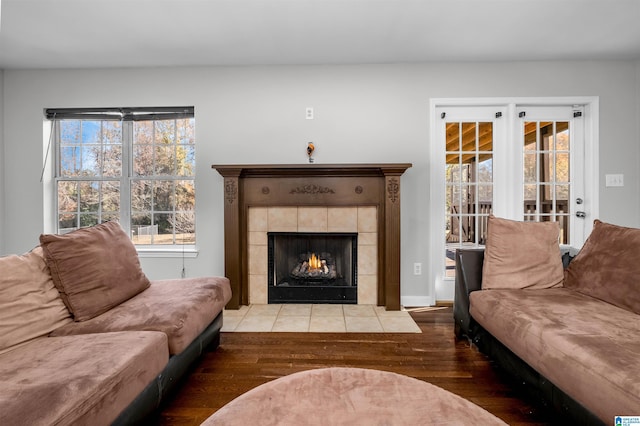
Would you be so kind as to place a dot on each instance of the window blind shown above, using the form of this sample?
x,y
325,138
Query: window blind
x,y
119,114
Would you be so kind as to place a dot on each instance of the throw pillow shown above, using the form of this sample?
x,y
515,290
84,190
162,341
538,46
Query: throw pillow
x,y
94,268
30,305
521,255
608,266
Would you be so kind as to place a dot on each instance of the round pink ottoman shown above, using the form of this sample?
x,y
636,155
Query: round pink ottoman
x,y
350,396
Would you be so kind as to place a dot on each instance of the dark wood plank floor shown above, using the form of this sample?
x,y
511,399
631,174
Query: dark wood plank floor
x,y
246,360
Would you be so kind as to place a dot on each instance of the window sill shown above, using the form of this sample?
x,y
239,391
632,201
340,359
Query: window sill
x,y
165,252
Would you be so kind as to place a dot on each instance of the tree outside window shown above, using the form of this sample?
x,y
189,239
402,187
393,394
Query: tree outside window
x,y
138,169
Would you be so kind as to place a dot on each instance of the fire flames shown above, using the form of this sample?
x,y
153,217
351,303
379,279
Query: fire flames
x,y
313,266
314,262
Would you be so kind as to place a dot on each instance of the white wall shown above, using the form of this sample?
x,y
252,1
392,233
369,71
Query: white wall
x,y
366,113
2,168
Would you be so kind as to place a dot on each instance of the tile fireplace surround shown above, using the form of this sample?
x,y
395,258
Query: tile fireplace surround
x,y
313,219
362,198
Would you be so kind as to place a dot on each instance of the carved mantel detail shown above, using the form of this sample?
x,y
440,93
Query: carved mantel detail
x,y
312,189
266,185
230,190
393,189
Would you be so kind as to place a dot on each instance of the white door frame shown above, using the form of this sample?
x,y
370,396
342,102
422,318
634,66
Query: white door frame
x,y
443,288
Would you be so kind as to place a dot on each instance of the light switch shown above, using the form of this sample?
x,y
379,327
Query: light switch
x,y
614,180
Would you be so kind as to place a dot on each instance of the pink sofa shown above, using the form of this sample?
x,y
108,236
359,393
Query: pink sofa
x,y
576,340
87,339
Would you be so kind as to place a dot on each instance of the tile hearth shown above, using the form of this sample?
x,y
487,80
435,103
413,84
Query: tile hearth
x,y
320,318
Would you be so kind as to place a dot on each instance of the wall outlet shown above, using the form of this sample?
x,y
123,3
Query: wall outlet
x,y
309,113
417,269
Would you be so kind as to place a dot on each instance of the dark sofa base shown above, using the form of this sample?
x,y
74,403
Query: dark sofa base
x,y
154,394
532,383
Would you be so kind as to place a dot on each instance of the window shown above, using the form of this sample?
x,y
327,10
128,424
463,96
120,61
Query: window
x,y
133,165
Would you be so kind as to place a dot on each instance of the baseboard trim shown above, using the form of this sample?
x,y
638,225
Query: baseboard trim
x,y
416,301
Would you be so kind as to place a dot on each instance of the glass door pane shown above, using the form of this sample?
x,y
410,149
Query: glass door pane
x,y
546,173
468,186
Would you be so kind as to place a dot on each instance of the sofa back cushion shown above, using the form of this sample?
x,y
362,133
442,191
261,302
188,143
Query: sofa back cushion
x,y
94,268
522,255
608,266
30,305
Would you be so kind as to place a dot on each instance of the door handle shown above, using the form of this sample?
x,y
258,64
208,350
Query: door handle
x,y
581,214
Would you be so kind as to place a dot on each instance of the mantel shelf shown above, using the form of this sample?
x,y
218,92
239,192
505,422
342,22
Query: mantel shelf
x,y
358,169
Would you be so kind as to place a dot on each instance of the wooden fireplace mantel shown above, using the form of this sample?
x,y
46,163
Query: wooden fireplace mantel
x,y
266,185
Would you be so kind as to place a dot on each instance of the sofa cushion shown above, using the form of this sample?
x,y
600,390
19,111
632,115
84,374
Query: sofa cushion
x,y
181,308
586,347
30,305
522,255
94,268
608,267
78,380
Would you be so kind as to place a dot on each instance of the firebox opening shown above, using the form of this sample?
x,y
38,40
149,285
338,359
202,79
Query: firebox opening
x,y
312,267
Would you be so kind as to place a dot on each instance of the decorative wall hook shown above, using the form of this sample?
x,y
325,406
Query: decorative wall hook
x,y
310,148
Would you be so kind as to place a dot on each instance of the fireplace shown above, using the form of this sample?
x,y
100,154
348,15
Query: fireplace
x,y
260,187
312,267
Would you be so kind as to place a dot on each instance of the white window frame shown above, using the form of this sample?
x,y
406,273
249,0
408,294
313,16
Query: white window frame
x,y
50,179
442,288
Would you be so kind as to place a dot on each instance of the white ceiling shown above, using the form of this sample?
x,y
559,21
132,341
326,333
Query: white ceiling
x,y
136,33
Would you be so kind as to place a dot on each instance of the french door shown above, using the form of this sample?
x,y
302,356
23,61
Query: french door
x,y
468,136
552,140
522,161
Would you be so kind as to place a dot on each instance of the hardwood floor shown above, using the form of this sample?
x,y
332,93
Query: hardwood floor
x,y
246,360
